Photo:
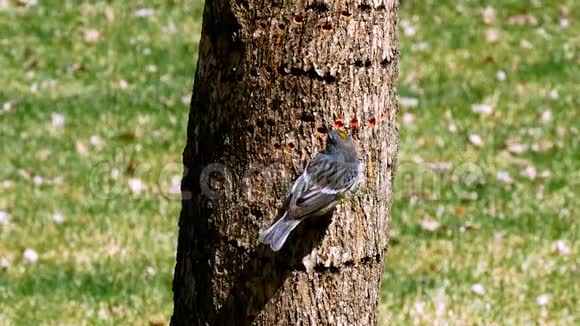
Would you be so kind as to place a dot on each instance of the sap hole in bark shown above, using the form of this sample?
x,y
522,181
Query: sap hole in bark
x,y
282,70
327,27
365,7
281,26
260,124
348,263
318,6
277,146
296,71
291,145
322,130
320,268
386,61
370,259
372,122
270,122
257,212
299,268
298,19
269,69
359,63
339,123
354,123
263,25
254,72
329,78
346,13
245,4
276,104
313,74
306,117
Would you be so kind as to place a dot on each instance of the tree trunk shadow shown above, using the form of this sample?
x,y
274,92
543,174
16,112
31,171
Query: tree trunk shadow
x,y
265,272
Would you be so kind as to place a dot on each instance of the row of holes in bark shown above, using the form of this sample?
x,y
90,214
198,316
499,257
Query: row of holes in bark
x,y
310,73
326,27
321,7
313,74
367,63
298,19
339,123
321,268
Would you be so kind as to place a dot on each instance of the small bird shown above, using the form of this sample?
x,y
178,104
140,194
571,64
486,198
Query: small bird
x,y
325,180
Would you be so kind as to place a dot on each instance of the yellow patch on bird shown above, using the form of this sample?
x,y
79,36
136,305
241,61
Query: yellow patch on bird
x,y
343,135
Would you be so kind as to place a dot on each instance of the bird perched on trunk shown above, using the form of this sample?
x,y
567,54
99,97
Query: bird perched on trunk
x,y
326,179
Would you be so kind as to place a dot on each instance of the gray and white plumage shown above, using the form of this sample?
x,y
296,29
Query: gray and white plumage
x,y
322,185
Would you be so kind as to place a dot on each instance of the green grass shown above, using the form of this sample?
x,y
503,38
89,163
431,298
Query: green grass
x,y
112,258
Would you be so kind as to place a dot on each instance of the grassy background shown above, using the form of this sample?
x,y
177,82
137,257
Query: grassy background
x,y
93,110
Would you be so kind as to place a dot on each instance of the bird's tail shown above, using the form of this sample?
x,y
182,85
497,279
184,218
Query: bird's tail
x,y
277,234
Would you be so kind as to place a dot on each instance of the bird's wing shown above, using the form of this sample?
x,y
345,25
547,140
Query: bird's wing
x,y
320,186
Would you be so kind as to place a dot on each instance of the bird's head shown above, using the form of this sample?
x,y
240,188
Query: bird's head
x,y
339,142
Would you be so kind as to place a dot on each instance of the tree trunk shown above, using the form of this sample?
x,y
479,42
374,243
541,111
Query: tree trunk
x,y
271,77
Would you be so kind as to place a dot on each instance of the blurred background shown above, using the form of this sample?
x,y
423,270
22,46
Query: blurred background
x,y
93,110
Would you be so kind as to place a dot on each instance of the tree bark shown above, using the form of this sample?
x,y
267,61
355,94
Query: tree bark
x,y
271,77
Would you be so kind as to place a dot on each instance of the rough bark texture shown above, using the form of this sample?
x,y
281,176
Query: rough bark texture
x,y
271,76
